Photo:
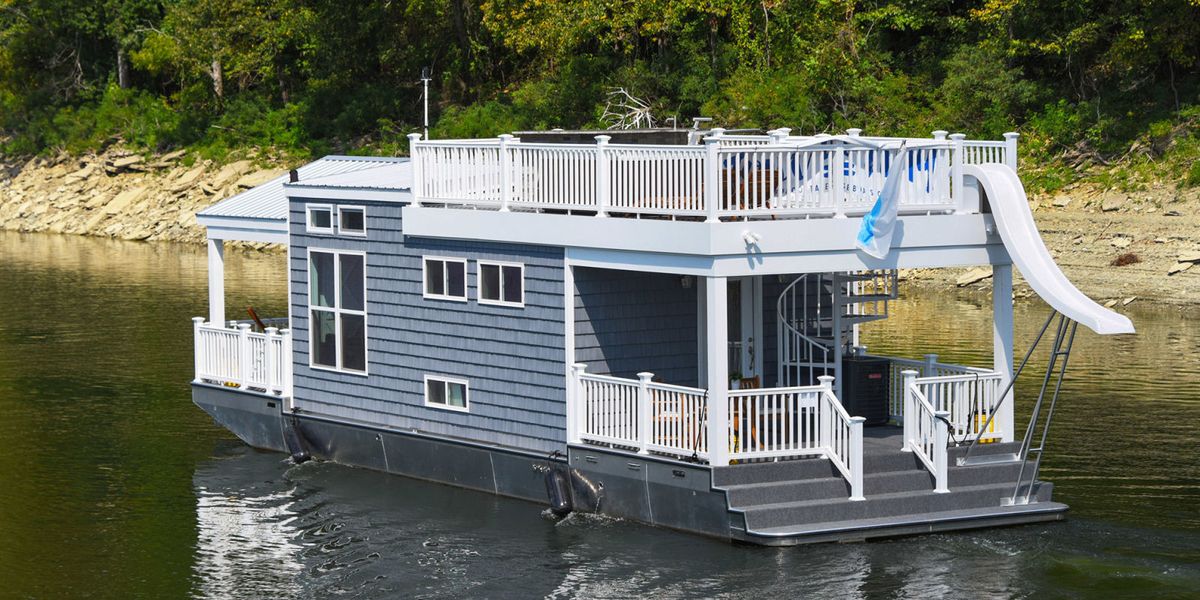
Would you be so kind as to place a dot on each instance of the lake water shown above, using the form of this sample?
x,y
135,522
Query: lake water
x,y
113,484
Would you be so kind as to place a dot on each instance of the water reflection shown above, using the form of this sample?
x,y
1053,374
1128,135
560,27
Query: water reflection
x,y
112,483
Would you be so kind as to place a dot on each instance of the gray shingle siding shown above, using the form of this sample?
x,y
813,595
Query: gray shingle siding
x,y
512,357
626,322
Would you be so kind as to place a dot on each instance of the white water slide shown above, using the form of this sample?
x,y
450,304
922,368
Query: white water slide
x,y
1014,220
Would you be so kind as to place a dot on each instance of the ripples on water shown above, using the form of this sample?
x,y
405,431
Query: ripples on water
x,y
113,484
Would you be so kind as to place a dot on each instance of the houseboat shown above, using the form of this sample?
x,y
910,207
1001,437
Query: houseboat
x,y
660,326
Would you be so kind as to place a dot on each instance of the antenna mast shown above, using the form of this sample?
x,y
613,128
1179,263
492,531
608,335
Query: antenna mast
x,y
425,82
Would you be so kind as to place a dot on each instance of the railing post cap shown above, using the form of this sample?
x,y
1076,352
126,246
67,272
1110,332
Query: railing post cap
x,y
717,131
198,320
243,326
940,134
931,356
857,420
272,330
414,137
505,137
854,131
285,331
579,366
1012,135
784,130
958,136
941,414
645,376
826,380
603,139
909,373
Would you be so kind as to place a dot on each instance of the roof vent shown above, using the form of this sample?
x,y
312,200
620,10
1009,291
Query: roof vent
x,y
293,176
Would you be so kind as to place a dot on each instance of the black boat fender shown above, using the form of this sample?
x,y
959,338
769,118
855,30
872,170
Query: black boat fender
x,y
558,491
293,437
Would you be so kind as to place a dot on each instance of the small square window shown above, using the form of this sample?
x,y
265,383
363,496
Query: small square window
x,y
352,220
320,219
445,278
446,392
501,283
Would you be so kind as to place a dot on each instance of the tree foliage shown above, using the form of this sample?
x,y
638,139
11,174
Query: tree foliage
x,y
308,76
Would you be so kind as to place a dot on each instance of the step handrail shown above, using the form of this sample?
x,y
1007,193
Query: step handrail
x,y
926,432
842,437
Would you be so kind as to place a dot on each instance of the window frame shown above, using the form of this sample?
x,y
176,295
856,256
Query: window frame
x,y
351,233
446,380
337,311
308,220
445,278
479,264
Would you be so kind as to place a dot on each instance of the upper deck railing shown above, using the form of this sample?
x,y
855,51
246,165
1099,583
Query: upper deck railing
x,y
725,177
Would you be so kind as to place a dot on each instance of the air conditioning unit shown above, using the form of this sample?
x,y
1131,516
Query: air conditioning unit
x,y
865,388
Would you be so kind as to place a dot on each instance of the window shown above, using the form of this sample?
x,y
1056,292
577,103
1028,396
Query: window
x,y
501,283
445,278
446,392
338,309
320,218
352,220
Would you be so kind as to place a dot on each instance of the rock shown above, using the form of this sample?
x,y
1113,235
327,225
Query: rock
x,y
1172,213
172,156
258,178
1189,257
1078,240
124,199
1160,240
126,163
1179,267
1128,300
1121,242
1112,203
1110,304
82,174
231,172
187,180
973,276
1062,201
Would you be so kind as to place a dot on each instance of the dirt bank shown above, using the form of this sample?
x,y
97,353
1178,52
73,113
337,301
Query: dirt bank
x,y
121,194
1155,233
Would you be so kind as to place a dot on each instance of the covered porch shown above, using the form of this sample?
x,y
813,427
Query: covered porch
x,y
708,369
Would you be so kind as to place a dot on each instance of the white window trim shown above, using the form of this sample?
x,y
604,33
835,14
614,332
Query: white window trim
x,y
479,264
308,224
341,231
445,380
337,322
445,280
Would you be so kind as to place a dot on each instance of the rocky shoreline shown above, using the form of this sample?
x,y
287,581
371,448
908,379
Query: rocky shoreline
x,y
121,194
1118,247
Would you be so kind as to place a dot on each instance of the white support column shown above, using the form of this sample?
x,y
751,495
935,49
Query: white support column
x,y
287,391
216,281
505,171
1002,344
758,333
270,359
197,348
718,370
575,397
603,191
909,377
856,458
244,359
418,182
941,441
569,352
957,160
1010,149
701,333
838,341
645,411
712,176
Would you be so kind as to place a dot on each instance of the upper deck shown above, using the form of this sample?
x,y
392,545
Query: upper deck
x,y
773,193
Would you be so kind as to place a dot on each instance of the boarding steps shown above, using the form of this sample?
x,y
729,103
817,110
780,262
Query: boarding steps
x,y
817,312
802,501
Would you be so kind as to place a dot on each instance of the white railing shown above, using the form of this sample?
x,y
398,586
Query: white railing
x,y
968,400
926,433
238,357
641,414
728,177
673,420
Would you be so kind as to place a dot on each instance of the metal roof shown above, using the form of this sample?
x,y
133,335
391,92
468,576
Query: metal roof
x,y
392,176
269,201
